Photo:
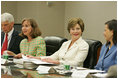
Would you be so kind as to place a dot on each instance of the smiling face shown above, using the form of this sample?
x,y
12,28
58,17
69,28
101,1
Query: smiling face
x,y
75,32
108,34
26,28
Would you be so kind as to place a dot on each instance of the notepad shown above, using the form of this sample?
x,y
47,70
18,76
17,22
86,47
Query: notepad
x,y
33,60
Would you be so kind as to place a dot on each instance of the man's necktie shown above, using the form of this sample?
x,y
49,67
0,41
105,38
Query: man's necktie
x,y
4,46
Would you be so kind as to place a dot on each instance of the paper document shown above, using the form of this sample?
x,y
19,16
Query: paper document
x,y
93,71
40,62
80,68
35,61
99,75
79,74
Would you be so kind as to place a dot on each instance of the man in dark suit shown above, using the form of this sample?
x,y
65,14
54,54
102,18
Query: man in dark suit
x,y
13,38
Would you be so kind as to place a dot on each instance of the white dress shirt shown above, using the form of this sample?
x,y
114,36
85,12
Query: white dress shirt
x,y
75,55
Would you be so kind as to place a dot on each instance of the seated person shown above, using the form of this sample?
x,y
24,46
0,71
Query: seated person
x,y
33,44
10,39
74,51
108,54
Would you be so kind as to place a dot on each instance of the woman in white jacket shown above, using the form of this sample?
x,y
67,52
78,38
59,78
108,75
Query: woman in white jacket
x,y
74,51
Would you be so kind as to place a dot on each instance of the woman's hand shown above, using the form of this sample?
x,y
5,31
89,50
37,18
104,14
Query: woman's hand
x,y
30,56
11,53
33,57
18,55
49,60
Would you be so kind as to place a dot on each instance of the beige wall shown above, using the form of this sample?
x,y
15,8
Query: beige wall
x,y
49,18
53,19
94,15
11,7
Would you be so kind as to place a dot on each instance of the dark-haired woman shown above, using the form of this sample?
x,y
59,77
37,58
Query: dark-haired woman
x,y
108,54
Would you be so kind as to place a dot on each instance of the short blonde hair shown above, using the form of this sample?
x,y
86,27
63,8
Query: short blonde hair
x,y
75,21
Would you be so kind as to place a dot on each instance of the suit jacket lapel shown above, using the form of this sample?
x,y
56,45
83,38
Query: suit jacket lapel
x,y
12,40
2,37
73,46
76,43
110,51
66,48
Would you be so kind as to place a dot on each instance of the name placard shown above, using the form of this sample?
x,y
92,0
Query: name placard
x,y
43,69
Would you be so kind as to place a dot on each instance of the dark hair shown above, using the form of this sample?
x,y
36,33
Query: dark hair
x,y
35,29
112,25
75,21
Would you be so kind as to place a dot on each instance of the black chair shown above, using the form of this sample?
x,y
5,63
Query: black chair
x,y
94,49
53,43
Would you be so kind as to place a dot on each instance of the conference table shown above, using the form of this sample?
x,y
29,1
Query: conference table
x,y
16,72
